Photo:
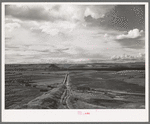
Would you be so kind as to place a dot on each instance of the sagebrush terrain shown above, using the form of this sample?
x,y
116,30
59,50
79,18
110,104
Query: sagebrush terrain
x,y
75,86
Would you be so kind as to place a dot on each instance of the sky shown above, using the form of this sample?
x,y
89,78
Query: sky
x,y
74,33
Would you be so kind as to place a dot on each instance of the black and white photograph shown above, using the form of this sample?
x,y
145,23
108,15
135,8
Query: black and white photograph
x,y
75,56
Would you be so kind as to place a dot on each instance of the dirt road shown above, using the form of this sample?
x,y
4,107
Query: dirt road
x,y
66,94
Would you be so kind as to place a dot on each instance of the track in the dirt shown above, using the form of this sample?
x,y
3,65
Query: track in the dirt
x,y
66,93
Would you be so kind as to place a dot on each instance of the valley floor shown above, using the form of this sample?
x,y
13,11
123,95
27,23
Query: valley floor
x,y
76,89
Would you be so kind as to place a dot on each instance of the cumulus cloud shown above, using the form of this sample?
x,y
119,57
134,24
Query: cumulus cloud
x,y
140,56
134,39
131,34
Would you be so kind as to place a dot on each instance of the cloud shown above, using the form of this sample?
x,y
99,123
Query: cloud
x,y
121,17
63,60
91,13
134,39
53,19
135,33
97,11
70,12
52,12
28,12
11,26
135,43
52,32
108,36
63,31
12,20
55,28
140,57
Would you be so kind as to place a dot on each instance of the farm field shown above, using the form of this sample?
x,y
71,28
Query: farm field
x,y
72,87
